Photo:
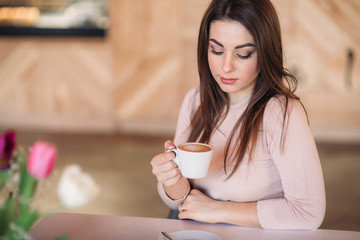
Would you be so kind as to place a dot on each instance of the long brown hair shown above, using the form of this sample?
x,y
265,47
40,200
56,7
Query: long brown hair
x,y
260,19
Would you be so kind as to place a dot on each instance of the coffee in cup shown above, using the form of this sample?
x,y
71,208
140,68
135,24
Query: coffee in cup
x,y
195,147
193,159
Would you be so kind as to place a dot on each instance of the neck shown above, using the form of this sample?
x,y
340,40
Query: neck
x,y
239,97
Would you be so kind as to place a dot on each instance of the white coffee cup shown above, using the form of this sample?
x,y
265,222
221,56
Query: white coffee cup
x,y
193,159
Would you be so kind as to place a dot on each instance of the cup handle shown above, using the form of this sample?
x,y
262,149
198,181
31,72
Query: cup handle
x,y
176,159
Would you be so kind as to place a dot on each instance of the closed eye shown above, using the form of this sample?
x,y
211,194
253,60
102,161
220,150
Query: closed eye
x,y
245,57
214,52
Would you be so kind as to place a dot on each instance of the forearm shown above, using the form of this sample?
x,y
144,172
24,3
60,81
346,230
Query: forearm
x,y
243,214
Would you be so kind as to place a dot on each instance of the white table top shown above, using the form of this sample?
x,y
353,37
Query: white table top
x,y
88,226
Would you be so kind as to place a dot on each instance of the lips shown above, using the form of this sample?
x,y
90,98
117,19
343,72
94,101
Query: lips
x,y
228,81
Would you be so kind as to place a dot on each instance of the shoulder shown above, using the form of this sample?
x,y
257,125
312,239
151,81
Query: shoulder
x,y
192,98
188,107
281,103
279,108
193,94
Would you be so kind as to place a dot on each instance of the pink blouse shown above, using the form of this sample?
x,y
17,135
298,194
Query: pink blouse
x,y
286,182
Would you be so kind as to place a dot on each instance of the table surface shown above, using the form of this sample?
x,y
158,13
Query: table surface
x,y
89,226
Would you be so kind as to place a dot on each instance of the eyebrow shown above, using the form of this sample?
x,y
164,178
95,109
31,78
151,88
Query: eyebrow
x,y
238,46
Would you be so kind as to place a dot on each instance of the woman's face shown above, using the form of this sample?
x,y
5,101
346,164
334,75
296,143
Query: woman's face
x,y
232,58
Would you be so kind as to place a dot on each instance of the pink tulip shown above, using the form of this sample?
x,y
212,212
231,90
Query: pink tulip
x,y
42,159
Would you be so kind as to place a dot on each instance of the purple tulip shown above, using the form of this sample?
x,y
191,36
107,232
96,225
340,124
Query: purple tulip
x,y
2,145
7,146
42,159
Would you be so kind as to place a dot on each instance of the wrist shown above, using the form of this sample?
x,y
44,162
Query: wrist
x,y
179,191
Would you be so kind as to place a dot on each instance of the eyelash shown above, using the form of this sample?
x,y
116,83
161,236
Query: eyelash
x,y
239,56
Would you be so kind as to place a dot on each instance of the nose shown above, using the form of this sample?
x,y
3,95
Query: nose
x,y
228,63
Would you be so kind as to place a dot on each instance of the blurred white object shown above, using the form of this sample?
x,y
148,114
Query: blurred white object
x,y
84,13
76,188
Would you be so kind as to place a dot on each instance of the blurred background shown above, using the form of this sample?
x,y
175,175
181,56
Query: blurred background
x,y
104,81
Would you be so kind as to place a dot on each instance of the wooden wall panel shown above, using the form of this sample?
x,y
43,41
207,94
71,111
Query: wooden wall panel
x,y
55,83
153,75
325,32
136,78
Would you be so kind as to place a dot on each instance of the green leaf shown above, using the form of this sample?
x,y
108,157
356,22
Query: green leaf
x,y
23,172
7,215
4,177
27,219
63,237
16,233
27,182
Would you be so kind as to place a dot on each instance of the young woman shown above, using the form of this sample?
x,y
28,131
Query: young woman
x,y
265,169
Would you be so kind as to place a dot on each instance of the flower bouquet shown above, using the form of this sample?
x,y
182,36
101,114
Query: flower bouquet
x,y
20,173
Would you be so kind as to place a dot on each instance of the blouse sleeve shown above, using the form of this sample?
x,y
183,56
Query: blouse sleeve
x,y
189,105
181,136
294,153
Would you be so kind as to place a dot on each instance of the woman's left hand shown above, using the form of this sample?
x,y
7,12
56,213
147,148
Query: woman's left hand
x,y
199,207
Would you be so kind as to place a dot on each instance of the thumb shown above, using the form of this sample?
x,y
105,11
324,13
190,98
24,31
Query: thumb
x,y
169,145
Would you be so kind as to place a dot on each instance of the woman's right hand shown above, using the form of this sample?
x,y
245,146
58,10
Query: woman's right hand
x,y
165,170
